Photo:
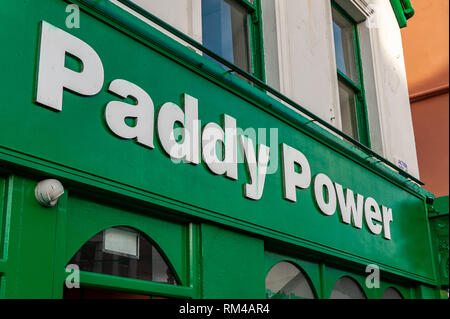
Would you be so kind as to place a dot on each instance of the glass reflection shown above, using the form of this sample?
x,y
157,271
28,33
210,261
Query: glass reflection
x,y
344,46
391,293
286,281
347,288
225,31
124,252
348,111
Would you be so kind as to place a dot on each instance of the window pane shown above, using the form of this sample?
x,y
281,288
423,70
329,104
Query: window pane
x,y
286,281
124,252
347,103
344,46
225,31
347,288
391,293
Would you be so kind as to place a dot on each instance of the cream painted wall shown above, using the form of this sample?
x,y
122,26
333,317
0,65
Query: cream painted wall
x,y
392,89
307,68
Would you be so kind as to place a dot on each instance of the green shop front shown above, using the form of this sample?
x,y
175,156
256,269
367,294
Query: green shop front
x,y
133,167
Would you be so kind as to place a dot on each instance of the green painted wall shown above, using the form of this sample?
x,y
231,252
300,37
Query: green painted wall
x,y
427,292
29,244
232,264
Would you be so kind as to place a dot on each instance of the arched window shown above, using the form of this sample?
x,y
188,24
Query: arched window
x,y
391,293
286,281
347,288
124,252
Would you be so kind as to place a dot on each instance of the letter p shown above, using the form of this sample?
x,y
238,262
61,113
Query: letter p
x,y
292,178
54,77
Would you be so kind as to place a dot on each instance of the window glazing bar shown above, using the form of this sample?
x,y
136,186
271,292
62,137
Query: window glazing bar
x,y
356,88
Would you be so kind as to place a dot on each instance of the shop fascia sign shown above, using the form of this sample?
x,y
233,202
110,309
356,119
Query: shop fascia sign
x,y
54,77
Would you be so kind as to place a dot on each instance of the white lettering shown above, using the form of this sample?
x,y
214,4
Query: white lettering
x,y
387,219
348,207
169,114
213,135
54,77
372,213
143,112
293,179
322,181
257,170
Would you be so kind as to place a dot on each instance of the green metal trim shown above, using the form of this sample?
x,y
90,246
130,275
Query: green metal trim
x,y
438,226
9,189
430,242
256,40
2,286
363,116
398,11
322,274
408,10
134,285
3,201
441,205
342,77
194,260
60,245
248,5
403,11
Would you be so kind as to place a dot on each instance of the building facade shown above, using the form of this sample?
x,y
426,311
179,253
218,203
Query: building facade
x,y
210,149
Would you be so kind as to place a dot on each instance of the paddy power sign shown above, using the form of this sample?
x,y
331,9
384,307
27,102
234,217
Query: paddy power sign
x,y
182,138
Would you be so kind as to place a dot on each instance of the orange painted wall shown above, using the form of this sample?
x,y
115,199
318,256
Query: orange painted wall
x,y
426,51
426,45
432,138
